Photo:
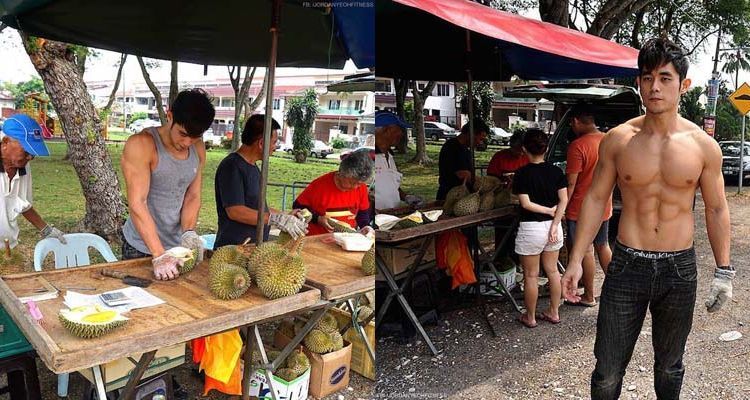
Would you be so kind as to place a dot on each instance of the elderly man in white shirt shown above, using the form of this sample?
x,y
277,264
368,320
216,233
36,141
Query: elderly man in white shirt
x,y
20,141
388,193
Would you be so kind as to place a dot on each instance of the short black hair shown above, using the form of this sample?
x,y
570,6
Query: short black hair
x,y
254,128
583,113
535,141
661,51
516,137
479,126
193,110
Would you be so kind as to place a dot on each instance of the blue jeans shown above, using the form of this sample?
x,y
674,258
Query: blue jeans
x,y
633,283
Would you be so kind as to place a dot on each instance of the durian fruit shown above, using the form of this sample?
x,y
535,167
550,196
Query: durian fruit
x,y
502,197
410,221
280,273
228,254
339,226
266,251
467,205
485,184
188,257
487,201
319,342
337,340
286,374
327,324
297,362
285,237
363,312
368,262
286,328
90,321
453,196
228,281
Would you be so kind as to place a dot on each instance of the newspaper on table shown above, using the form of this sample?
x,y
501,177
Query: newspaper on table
x,y
140,298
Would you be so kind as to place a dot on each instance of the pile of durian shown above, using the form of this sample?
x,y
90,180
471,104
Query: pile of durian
x,y
90,321
325,337
277,269
368,261
295,365
487,193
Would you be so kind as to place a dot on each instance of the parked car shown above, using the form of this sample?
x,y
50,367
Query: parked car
x,y
211,139
499,136
611,105
141,124
730,164
438,130
320,149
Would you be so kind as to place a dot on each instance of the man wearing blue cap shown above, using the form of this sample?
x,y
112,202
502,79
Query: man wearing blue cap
x,y
21,142
388,194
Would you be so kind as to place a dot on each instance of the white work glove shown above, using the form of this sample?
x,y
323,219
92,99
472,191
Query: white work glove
x,y
165,266
50,231
413,200
367,231
721,289
290,224
192,241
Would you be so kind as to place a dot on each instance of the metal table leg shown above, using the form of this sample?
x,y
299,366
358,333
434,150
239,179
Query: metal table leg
x,y
129,391
360,331
101,392
397,292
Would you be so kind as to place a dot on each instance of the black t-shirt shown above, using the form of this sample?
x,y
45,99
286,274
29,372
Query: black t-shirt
x,y
541,182
237,182
453,157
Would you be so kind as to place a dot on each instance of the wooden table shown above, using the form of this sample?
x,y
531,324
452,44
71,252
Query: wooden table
x,y
425,232
190,312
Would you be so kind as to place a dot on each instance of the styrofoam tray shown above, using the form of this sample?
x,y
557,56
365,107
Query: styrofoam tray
x,y
352,241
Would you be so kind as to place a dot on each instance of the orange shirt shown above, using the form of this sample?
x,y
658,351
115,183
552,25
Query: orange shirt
x,y
322,197
506,161
583,155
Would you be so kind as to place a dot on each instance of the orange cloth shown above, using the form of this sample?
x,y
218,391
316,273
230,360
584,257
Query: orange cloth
x,y
220,358
452,253
322,197
505,161
583,154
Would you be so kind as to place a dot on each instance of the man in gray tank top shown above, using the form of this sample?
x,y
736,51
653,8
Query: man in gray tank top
x,y
162,169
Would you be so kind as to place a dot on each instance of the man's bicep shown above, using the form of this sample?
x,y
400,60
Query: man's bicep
x,y
605,172
712,180
136,169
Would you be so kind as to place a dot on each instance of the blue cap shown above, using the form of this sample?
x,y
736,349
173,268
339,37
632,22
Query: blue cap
x,y
385,118
27,131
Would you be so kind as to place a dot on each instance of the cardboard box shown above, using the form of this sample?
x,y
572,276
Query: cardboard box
x,y
329,373
294,390
401,258
116,373
361,361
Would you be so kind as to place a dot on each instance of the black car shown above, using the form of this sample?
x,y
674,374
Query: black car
x,y
730,164
438,130
611,105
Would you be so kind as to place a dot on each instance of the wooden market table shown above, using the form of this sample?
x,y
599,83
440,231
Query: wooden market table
x,y
425,232
190,311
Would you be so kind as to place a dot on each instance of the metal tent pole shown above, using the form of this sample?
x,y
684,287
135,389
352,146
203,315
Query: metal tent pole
x,y
271,71
470,100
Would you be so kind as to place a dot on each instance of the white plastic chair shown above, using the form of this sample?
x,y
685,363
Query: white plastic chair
x,y
73,254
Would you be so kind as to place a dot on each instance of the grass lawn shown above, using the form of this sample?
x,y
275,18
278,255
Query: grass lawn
x,y
423,180
59,199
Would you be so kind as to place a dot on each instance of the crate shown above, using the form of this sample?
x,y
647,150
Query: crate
x,y
361,362
12,340
397,260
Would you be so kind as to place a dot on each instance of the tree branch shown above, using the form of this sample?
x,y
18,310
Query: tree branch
x,y
113,94
154,91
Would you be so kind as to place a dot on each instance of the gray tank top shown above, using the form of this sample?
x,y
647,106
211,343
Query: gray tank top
x,y
169,182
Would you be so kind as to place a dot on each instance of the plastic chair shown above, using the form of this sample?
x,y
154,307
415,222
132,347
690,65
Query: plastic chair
x,y
73,254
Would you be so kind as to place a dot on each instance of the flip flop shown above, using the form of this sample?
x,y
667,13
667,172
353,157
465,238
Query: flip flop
x,y
524,320
581,303
545,317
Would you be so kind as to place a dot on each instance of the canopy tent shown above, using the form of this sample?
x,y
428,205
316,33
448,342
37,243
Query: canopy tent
x,y
502,45
239,32
231,32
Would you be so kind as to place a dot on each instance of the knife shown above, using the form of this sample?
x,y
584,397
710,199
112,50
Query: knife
x,y
127,279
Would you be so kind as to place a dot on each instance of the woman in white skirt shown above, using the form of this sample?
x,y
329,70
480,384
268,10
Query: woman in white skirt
x,y
542,191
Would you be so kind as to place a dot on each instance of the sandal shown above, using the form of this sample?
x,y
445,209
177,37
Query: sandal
x,y
581,303
524,319
545,317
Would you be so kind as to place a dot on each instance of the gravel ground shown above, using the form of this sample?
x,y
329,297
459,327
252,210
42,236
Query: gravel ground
x,y
555,361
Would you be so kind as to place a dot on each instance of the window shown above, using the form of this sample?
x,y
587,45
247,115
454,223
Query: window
x,y
334,104
421,86
358,104
215,101
443,89
436,113
227,102
276,104
142,101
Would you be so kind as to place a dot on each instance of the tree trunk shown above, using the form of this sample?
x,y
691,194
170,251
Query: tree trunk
x,y
154,91
174,88
613,14
418,129
554,11
240,95
401,86
101,189
250,107
113,94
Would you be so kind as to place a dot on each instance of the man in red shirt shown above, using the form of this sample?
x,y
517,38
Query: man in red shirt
x,y
509,160
340,195
583,154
